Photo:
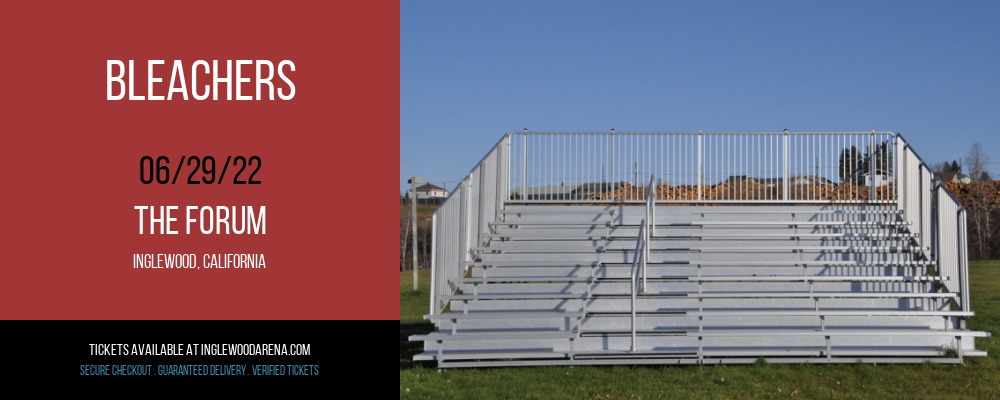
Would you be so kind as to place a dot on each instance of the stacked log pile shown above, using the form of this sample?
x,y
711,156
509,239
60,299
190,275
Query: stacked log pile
x,y
966,194
749,190
625,191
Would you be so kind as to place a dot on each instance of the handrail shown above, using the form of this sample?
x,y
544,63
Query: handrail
x,y
640,248
650,216
642,251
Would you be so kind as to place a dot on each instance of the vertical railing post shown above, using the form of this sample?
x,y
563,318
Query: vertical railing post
x,y
463,223
645,255
642,237
648,224
612,180
872,166
632,307
902,175
434,219
923,197
963,258
509,169
925,169
652,215
934,241
482,191
524,170
469,214
502,173
635,268
895,168
700,161
784,169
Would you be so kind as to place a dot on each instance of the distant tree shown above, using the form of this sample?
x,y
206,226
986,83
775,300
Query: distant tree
x,y
981,192
977,160
851,163
883,159
945,167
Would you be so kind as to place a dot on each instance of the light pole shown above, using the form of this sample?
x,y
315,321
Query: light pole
x,y
414,180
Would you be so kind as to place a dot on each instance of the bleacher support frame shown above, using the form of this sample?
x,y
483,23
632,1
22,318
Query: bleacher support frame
x,y
535,270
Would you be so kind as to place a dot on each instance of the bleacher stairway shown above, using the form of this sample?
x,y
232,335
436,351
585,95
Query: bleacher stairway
x,y
550,284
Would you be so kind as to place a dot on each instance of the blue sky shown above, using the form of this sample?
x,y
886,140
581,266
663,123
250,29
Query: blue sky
x,y
473,71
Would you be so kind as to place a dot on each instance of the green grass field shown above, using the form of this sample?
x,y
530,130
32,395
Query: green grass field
x,y
978,378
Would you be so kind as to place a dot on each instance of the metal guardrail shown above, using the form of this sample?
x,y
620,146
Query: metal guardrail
x,y
704,167
462,220
952,244
917,194
938,219
694,168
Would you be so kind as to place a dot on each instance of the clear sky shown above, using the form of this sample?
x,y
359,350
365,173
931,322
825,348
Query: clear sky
x,y
471,71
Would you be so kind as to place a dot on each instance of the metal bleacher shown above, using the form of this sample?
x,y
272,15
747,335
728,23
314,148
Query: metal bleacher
x,y
683,271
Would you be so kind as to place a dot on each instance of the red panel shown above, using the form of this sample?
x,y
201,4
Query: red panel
x,y
71,160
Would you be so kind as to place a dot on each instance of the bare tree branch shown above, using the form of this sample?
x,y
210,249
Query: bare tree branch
x,y
981,196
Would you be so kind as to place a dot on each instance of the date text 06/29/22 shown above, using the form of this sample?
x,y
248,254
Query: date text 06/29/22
x,y
202,170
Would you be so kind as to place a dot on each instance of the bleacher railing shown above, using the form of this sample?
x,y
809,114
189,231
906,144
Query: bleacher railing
x,y
937,218
464,217
917,194
704,167
852,168
952,245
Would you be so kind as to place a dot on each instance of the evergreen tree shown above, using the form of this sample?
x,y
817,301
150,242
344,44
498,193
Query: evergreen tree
x,y
851,164
883,159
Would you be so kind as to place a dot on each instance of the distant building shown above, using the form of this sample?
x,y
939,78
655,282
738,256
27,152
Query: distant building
x,y
565,192
881,178
737,179
770,182
795,180
809,180
587,190
561,192
429,191
953,177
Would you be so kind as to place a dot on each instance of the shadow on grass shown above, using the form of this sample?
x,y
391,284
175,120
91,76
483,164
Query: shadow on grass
x,y
408,349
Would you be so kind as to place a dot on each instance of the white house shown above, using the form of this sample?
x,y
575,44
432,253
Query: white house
x,y
561,192
953,177
809,180
430,191
882,178
795,180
